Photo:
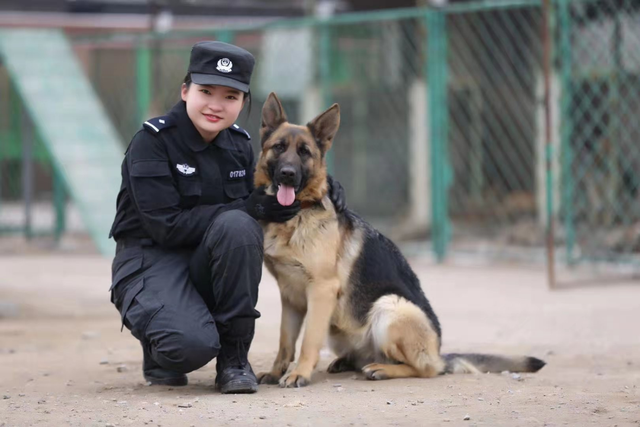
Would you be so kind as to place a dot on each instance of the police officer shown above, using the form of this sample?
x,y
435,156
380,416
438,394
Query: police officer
x,y
189,249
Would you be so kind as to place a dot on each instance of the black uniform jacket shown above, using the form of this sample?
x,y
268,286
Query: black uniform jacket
x,y
174,184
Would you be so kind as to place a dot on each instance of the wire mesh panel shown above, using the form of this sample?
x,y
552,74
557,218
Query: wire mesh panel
x,y
311,67
375,68
599,52
368,68
136,77
494,60
111,67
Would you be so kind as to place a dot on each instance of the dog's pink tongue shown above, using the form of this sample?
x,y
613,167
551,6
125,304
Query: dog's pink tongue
x,y
286,195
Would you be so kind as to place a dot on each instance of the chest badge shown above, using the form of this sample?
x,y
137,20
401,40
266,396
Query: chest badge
x,y
185,169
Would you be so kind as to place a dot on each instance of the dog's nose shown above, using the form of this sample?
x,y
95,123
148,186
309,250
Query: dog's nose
x,y
287,172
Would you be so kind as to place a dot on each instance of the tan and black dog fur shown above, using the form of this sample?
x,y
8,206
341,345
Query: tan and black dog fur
x,y
349,281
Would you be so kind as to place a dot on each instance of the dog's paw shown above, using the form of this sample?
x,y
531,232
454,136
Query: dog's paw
x,y
294,380
341,364
375,371
267,378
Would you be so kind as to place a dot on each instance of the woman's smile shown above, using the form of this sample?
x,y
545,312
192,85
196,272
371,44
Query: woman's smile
x,y
212,118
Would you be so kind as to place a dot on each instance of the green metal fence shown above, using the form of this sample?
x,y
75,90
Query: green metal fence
x,y
600,75
443,135
28,179
494,59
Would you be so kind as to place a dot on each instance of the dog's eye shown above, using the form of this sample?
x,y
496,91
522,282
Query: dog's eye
x,y
304,150
279,147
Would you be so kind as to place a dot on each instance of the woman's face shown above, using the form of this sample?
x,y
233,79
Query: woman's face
x,y
212,108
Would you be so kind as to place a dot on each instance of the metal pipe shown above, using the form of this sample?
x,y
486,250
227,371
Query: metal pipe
x,y
546,17
59,202
566,131
143,80
436,69
27,174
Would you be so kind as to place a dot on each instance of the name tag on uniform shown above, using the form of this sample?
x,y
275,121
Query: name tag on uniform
x,y
237,174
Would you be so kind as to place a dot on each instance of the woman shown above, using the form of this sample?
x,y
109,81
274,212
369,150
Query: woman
x,y
189,249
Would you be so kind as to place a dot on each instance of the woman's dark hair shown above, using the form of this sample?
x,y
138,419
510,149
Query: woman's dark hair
x,y
187,81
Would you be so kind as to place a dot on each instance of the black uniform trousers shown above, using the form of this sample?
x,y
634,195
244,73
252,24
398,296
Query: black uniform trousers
x,y
177,302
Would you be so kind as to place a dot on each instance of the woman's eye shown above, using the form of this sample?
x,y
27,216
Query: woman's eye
x,y
205,91
232,97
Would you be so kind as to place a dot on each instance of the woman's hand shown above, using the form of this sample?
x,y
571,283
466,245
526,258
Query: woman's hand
x,y
336,194
263,207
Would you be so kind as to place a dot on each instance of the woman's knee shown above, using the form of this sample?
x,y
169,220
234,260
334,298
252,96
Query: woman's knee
x,y
185,352
232,229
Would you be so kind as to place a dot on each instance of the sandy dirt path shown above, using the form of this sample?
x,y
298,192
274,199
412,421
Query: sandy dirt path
x,y
63,360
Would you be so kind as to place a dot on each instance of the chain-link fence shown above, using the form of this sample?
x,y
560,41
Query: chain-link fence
x,y
599,72
495,102
443,131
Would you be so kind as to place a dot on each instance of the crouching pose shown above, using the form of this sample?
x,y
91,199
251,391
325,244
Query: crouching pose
x,y
189,248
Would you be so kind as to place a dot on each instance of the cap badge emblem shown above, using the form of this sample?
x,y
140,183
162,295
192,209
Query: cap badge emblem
x,y
224,65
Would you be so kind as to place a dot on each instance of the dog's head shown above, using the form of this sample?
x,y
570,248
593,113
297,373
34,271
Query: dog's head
x,y
292,162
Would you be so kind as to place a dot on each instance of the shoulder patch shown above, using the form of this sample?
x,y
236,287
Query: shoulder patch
x,y
156,124
236,128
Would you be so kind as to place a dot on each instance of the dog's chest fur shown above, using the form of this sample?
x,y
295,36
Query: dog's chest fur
x,y
303,251
311,250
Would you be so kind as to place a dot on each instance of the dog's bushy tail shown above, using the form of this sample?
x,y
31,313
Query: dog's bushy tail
x,y
471,363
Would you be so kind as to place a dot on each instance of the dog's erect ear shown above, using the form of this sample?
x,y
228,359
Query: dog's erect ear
x,y
325,126
273,115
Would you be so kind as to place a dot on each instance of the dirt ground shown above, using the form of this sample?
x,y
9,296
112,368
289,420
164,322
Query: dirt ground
x,y
63,360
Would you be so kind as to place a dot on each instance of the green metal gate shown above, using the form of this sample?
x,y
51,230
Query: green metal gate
x,y
444,135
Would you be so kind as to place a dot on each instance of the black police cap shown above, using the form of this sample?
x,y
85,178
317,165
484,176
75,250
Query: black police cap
x,y
223,64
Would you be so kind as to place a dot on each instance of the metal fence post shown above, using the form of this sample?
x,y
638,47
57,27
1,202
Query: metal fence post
x,y
1,157
613,130
437,77
564,29
27,174
59,202
547,26
325,77
143,80
15,123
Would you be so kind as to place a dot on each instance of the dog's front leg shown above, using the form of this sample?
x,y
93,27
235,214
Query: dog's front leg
x,y
290,326
321,300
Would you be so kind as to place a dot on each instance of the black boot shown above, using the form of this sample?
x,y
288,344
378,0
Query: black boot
x,y
156,375
234,371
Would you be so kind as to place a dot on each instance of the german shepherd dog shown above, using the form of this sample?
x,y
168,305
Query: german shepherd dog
x,y
347,279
